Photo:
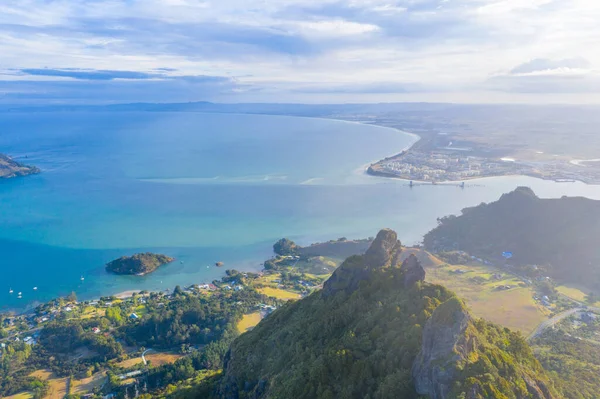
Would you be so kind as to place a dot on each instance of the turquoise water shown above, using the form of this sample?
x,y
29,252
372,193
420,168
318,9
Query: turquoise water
x,y
202,188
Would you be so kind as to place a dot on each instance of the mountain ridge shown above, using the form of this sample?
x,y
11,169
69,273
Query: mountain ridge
x,y
377,330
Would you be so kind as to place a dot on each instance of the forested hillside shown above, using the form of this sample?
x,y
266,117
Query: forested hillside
x,y
563,234
377,330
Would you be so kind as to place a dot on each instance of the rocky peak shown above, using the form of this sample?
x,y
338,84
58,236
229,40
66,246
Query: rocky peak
x,y
445,345
451,345
412,271
383,248
383,252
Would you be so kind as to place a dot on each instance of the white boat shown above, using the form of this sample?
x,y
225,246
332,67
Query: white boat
x,y
20,293
82,278
19,297
35,288
10,291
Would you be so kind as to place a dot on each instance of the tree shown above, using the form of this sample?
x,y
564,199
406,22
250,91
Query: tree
x,y
72,297
285,247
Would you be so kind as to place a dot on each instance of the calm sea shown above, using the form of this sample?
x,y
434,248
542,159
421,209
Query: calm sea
x,y
202,188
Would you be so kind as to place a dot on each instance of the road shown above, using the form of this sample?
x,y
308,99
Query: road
x,y
552,322
143,356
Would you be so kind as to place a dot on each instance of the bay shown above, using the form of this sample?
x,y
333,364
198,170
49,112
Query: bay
x,y
202,188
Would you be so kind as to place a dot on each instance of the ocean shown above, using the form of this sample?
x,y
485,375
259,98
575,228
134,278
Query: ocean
x,y
202,188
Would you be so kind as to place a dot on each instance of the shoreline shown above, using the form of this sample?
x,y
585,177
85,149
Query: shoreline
x,y
368,168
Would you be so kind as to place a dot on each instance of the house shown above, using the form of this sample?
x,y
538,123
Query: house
x,y
134,316
96,330
29,340
239,288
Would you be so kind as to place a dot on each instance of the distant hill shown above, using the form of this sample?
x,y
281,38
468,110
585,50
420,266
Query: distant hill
x,y
377,330
562,234
10,168
138,264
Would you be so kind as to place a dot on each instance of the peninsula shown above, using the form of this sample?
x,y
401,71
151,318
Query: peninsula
x,y
138,264
11,168
434,160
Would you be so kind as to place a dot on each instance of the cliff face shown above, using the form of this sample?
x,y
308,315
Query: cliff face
x,y
445,346
378,330
458,352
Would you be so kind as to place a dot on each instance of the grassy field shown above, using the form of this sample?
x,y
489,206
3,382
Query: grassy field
x,y
156,359
248,321
513,308
57,386
22,395
572,292
577,292
87,384
278,293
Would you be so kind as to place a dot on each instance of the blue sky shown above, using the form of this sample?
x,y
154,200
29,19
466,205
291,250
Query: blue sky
x,y
104,51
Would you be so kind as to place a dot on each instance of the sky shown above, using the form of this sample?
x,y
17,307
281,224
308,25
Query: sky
x,y
311,51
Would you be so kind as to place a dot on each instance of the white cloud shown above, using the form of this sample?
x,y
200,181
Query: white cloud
x,y
456,46
336,27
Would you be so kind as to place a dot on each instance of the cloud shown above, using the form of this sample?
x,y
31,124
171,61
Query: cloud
x,y
573,75
350,48
545,65
90,74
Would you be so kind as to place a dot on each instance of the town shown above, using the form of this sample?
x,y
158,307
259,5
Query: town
x,y
454,165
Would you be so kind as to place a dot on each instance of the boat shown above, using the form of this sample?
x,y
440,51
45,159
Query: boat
x,y
10,291
19,297
20,293
82,278
35,288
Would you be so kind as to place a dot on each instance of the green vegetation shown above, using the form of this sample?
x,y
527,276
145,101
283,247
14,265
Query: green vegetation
x,y
138,264
559,235
571,353
359,337
375,330
285,247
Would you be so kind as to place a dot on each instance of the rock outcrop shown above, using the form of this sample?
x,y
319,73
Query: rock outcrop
x,y
445,346
383,252
412,271
362,336
456,348
11,168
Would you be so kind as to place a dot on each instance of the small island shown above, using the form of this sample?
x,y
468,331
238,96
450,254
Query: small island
x,y
10,168
138,264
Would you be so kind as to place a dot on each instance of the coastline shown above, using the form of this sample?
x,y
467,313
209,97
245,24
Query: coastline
x,y
369,170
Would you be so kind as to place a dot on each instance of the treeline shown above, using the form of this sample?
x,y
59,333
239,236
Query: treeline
x,y
192,320
573,363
